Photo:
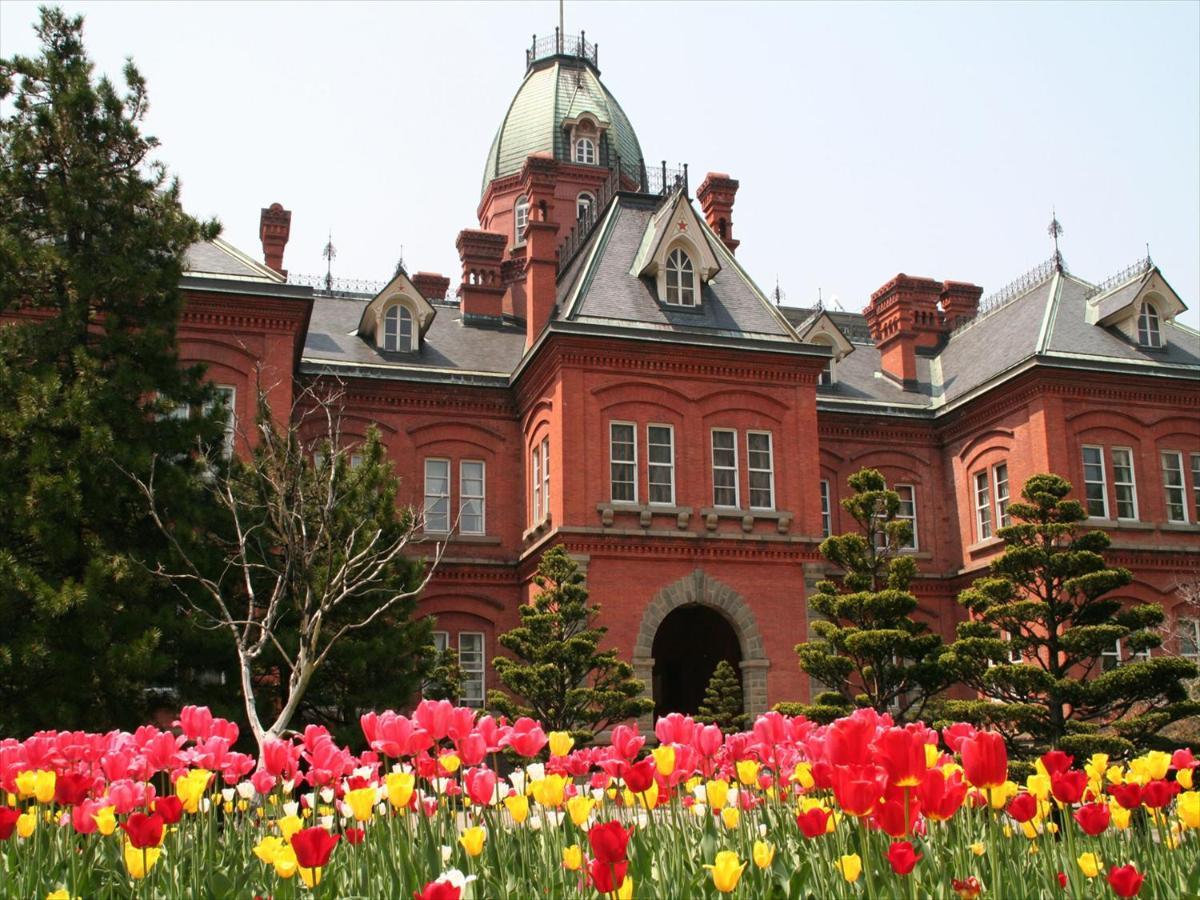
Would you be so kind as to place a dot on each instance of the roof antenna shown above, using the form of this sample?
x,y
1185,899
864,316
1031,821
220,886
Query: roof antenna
x,y
562,31
329,252
1054,230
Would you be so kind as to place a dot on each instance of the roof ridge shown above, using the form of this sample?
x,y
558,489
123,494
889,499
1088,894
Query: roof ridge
x,y
1014,290
1121,278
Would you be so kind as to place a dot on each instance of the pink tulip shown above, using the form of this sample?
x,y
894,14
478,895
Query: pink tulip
x,y
527,737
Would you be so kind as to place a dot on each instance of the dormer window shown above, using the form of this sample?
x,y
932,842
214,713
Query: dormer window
x,y
520,218
397,328
585,151
1148,334
681,279
583,205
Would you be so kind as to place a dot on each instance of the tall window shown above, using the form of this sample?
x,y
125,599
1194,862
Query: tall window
x,y
725,468
437,495
1196,484
622,459
535,470
660,450
1124,488
1176,495
826,511
585,151
224,400
545,477
520,218
1000,483
470,661
471,489
1094,487
761,466
983,507
583,205
1148,334
681,279
908,513
441,641
1118,654
1187,632
397,328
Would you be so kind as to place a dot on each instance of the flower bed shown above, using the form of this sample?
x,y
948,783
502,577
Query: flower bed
x,y
858,808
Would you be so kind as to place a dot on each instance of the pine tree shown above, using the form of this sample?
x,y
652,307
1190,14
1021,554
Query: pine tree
x,y
557,674
1046,601
868,650
722,704
444,681
92,243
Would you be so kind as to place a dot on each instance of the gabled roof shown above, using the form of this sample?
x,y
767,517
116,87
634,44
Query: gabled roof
x,y
1123,300
399,286
675,217
218,259
819,325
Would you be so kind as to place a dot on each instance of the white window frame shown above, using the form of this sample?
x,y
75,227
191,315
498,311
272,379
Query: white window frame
x,y
1168,487
545,478
535,481
436,497
981,493
1117,655
398,328
473,669
1002,497
464,497
1192,624
520,218
1103,482
585,151
1015,657
826,510
356,460
1195,460
1149,326
913,545
230,404
667,467
769,471
737,496
679,265
1118,484
441,641
630,464
584,202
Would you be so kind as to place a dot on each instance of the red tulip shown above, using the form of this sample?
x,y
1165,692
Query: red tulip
x,y
1062,880
71,788
280,758
1023,807
1068,787
814,822
967,889
1125,881
438,890
627,742
898,812
848,741
955,734
1158,793
609,841
313,846
1183,758
170,808
143,830
607,877
640,775
985,760
354,836
940,797
1093,818
8,821
902,753
1129,795
902,857
858,789
481,785
1057,761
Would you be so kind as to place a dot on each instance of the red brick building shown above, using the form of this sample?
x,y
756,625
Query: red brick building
x,y
605,375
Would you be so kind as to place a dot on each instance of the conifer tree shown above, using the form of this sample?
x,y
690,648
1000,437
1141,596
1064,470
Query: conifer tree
x,y
868,650
444,681
558,675
1047,603
722,704
92,243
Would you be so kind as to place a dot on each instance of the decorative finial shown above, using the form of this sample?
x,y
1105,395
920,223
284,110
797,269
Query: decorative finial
x,y
329,252
1054,230
820,300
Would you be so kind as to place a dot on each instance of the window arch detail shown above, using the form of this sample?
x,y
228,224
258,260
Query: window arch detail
x,y
520,218
583,205
680,279
585,151
397,328
1149,334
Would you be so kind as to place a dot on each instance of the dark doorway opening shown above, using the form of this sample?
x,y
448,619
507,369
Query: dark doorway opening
x,y
687,647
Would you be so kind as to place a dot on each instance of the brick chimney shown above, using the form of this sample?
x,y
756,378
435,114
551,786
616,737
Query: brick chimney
x,y
541,245
482,289
960,303
274,227
716,196
433,286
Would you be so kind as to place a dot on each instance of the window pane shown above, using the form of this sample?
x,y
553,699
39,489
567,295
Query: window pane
x,y
1001,478
661,469
535,466
724,468
545,477
1196,485
983,508
1123,486
437,495
471,494
759,466
1093,481
471,662
826,511
441,641
1172,468
908,513
1187,631
623,463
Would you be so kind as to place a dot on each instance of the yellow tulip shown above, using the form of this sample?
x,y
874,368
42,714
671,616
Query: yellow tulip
x,y
106,820
649,797
1097,766
764,854
1120,815
268,848
26,824
932,755
549,791
560,743
1030,829
1187,807
1000,796
38,784
450,762
400,788
1183,778
726,870
664,759
979,848
285,862
717,793
1090,864
472,840
310,877
189,788
803,775
140,861
850,867
625,891
518,807
288,826
747,771
60,894
362,802
580,808
1115,775
1039,786
730,816
572,857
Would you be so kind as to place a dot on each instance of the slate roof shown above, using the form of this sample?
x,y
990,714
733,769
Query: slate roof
x,y
218,259
852,325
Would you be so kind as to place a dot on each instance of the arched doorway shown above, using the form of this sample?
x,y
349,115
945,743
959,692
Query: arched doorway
x,y
688,644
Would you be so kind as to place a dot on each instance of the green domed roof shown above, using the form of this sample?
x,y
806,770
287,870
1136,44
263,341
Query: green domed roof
x,y
557,88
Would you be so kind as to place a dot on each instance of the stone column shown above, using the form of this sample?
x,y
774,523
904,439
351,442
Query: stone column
x,y
754,686
643,668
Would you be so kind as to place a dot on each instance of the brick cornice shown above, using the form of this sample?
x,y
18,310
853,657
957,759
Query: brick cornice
x,y
262,314
367,393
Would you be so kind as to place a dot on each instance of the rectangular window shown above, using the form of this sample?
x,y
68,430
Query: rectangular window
x,y
470,661
1000,483
535,469
437,495
983,507
1172,468
545,479
1187,632
441,641
908,513
1117,655
761,467
1196,485
1124,488
660,450
622,461
355,461
471,489
223,400
1094,487
826,511
724,466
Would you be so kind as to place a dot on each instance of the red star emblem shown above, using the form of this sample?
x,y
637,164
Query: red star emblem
x,y
683,226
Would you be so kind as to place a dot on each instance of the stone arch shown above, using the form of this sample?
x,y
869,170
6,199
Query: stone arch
x,y
703,590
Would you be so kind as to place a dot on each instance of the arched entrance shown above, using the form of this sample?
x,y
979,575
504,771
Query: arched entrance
x,y
687,647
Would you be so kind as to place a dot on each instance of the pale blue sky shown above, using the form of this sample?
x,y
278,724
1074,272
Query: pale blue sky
x,y
869,139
